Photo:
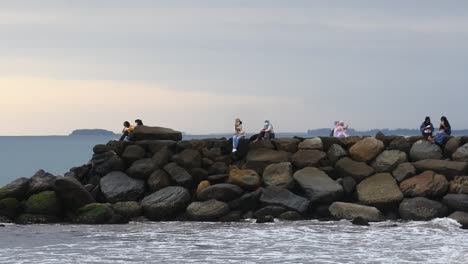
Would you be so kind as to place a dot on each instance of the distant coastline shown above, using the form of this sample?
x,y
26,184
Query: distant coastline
x,y
92,132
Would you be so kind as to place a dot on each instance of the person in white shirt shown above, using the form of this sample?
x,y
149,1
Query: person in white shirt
x,y
267,132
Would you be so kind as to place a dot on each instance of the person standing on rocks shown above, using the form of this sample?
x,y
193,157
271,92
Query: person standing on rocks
x,y
238,134
427,129
340,130
126,130
266,132
444,131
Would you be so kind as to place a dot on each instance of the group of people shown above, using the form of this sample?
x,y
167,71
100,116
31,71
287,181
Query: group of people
x,y
127,131
266,133
427,130
339,130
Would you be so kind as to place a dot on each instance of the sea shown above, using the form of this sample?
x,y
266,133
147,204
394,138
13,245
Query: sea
x,y
436,241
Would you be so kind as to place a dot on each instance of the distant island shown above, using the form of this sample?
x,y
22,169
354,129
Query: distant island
x,y
92,132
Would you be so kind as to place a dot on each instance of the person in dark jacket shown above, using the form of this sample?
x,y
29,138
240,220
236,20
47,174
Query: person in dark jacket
x,y
444,131
427,128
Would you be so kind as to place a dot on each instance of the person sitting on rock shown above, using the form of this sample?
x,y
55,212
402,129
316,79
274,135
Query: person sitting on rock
x,y
340,130
266,132
126,130
427,129
238,134
138,122
444,131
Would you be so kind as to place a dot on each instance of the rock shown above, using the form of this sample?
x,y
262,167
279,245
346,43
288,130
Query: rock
x,y
141,169
318,186
404,171
349,185
279,175
220,178
101,148
9,207
158,180
350,141
118,187
179,175
366,149
3,220
459,185
388,160
336,152
218,168
360,221
155,133
155,146
233,216
444,167
81,173
72,194
311,143
247,179
227,159
258,159
427,184
41,181
222,192
202,186
44,203
460,217
117,146
307,158
286,144
358,170
272,210
458,202
129,210
290,216
379,190
207,163
247,202
133,153
16,189
210,210
340,210
28,219
278,196
401,144
188,159
94,214
161,157
265,219
211,153
451,146
198,174
461,154
329,141
166,203
423,150
267,144
421,209
106,162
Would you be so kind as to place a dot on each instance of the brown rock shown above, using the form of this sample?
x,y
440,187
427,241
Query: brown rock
x,y
307,158
245,178
380,189
286,144
202,186
367,149
426,184
459,185
358,170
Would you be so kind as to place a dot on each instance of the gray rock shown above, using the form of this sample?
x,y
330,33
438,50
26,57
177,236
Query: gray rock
x,y
179,175
220,178
211,153
318,186
101,148
404,171
379,190
279,175
311,143
155,133
161,157
9,207
460,217
307,158
291,216
340,210
158,180
72,194
218,168
265,219
133,153
286,144
141,169
421,209
188,159
272,210
401,144
106,162
279,196
336,152
117,186
210,210
16,189
41,181
222,192
423,150
358,170
258,159
444,167
461,154
349,185
247,202
165,204
458,202
154,146
451,146
388,160
129,210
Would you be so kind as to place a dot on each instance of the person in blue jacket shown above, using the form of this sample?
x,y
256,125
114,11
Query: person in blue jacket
x,y
427,128
444,131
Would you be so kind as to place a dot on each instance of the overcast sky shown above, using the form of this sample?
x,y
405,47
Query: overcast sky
x,y
196,65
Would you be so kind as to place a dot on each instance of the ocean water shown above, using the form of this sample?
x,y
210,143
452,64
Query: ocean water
x,y
437,241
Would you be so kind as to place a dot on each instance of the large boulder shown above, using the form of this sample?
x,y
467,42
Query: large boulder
x,y
461,154
401,144
16,189
444,167
44,203
340,210
261,144
307,158
311,143
106,162
426,184
379,190
222,192
270,210
404,171
247,202
179,175
459,185
451,146
318,186
279,175
9,207
129,210
286,144
117,186
336,152
366,149
154,146
41,181
158,180
460,217
279,196
358,170
218,168
165,204
72,194
210,210
423,150
161,157
188,159
141,169
258,159
94,214
133,153
458,202
155,133
388,160
247,179
421,209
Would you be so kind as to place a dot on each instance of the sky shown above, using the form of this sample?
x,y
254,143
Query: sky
x,y
197,65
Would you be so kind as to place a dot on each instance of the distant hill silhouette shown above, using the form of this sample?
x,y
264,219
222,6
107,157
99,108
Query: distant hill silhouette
x,y
372,132
92,132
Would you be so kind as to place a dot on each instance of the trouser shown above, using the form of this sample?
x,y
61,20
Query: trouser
x,y
124,135
235,141
264,135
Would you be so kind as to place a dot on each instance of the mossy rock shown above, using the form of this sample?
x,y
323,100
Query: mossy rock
x,y
95,213
44,203
26,219
128,210
9,207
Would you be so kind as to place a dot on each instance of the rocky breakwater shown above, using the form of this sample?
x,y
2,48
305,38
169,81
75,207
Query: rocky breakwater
x,y
164,179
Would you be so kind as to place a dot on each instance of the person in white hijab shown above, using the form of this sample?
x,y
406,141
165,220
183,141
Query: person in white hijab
x,y
340,130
